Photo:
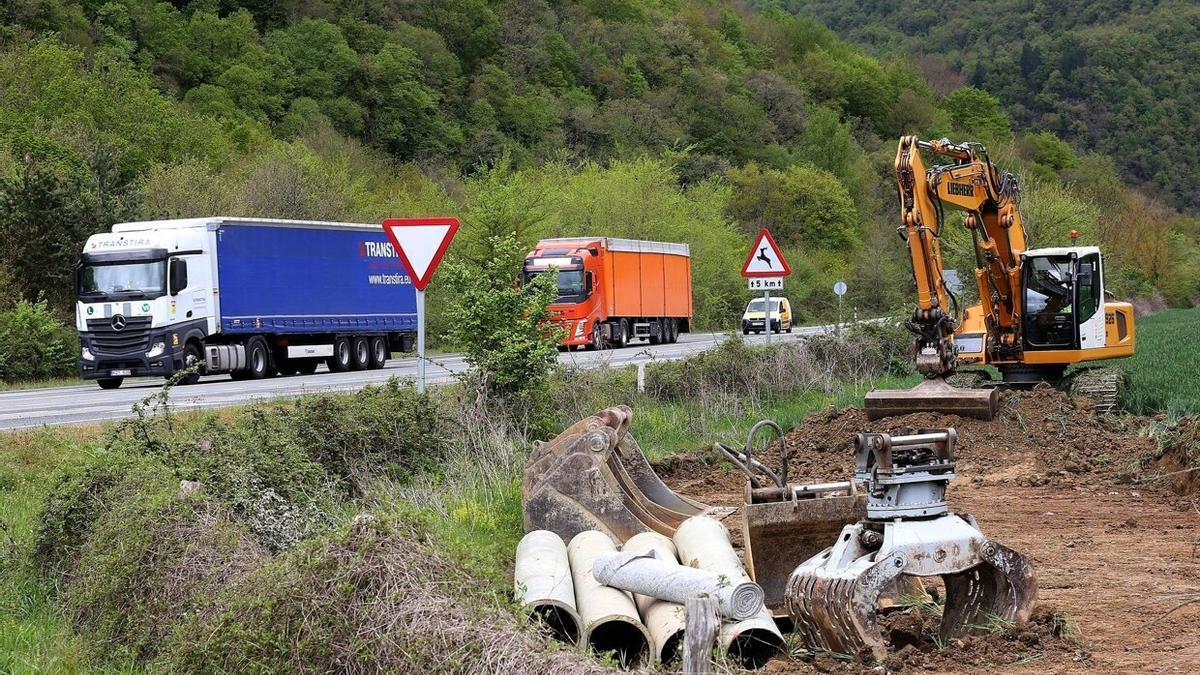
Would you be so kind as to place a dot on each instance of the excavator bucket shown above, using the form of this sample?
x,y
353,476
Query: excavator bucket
x,y
933,395
594,476
783,527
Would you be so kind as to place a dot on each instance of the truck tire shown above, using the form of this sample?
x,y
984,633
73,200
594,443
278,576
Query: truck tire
x,y
673,326
191,356
597,342
622,330
110,382
379,352
360,353
656,331
258,360
340,361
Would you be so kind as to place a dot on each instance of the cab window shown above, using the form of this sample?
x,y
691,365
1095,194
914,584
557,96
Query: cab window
x,y
1088,285
1049,302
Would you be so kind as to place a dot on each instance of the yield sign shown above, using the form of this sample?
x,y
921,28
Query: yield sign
x,y
765,259
420,243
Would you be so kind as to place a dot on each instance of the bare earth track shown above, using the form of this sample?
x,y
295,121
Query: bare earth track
x,y
1056,482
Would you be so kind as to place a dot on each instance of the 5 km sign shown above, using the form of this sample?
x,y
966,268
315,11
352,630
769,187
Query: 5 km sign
x,y
421,243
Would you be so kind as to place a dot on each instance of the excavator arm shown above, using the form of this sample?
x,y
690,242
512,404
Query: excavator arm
x,y
971,183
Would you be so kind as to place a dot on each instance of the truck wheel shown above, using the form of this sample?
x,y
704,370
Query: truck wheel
x,y
191,357
360,354
340,361
656,332
110,382
622,334
307,366
673,326
258,362
379,352
597,337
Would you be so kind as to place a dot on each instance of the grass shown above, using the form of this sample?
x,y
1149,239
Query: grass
x,y
34,636
1165,371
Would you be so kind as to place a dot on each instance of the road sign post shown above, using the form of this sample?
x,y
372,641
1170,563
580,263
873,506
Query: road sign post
x,y
839,289
765,269
420,244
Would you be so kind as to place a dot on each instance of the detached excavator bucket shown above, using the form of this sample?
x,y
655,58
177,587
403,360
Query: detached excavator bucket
x,y
933,395
783,527
593,476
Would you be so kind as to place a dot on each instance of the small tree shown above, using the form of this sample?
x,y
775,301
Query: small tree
x,y
501,326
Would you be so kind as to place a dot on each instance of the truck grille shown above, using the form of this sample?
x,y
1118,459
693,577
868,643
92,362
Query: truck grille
x,y
135,337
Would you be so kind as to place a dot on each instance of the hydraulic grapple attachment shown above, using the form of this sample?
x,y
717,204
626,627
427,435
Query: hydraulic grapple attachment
x,y
933,395
593,476
908,531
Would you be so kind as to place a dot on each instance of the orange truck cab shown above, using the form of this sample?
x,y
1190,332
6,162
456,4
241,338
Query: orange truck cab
x,y
614,291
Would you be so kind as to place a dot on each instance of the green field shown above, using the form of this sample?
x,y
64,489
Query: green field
x,y
1165,372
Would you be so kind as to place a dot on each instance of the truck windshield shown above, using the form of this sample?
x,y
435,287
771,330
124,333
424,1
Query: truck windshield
x,y
132,279
570,284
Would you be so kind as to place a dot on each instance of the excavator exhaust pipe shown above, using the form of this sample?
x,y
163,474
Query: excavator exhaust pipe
x,y
933,395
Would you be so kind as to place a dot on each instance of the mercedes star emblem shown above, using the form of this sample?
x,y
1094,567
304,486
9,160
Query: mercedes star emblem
x,y
118,322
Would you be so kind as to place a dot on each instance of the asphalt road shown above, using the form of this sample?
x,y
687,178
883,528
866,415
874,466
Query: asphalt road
x,y
87,403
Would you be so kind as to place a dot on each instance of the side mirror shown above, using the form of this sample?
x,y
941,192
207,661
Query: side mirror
x,y
178,276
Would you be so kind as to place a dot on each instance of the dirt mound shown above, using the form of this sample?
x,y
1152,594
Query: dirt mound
x,y
1039,437
1180,461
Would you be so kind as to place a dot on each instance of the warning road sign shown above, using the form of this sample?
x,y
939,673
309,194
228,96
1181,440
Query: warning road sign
x,y
765,259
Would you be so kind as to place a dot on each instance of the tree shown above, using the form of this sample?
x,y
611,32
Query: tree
x,y
319,57
977,114
503,327
801,205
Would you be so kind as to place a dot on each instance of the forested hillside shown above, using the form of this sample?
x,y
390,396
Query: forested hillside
x,y
682,120
1118,76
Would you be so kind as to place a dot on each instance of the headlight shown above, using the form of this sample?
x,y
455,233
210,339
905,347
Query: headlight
x,y
579,328
87,355
157,350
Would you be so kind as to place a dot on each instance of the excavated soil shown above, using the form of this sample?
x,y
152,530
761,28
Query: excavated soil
x,y
1117,560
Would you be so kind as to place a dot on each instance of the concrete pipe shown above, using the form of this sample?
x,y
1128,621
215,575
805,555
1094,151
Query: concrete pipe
x,y
609,616
544,586
703,542
665,620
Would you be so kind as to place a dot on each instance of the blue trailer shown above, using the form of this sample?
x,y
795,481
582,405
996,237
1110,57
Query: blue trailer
x,y
249,296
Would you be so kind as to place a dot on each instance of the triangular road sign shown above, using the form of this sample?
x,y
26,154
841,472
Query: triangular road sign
x,y
420,243
765,259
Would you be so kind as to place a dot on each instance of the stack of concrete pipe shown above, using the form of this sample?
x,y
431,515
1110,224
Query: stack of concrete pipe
x,y
637,615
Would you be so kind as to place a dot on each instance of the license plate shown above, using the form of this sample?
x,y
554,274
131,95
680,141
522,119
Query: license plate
x,y
120,373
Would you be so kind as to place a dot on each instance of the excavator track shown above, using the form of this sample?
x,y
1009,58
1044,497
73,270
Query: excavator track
x,y
1103,385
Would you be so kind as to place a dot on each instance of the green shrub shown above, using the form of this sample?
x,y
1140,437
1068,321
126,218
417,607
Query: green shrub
x,y
34,345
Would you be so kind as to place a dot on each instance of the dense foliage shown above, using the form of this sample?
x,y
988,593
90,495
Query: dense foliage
x,y
682,121
1114,76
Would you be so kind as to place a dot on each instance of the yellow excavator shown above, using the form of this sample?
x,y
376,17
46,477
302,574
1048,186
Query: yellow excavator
x,y
1040,310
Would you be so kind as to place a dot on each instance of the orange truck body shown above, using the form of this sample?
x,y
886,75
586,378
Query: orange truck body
x,y
612,291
